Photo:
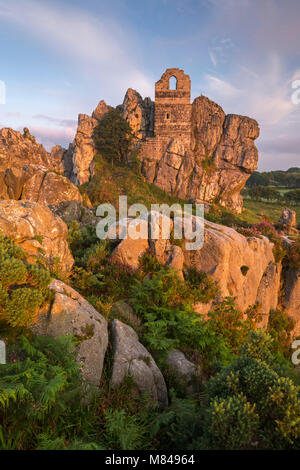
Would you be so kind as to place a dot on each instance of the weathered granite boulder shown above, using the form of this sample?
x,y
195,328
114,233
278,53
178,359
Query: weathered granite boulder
x,y
68,211
28,172
82,150
71,314
184,371
288,220
244,268
292,297
37,231
268,291
132,359
237,263
176,260
139,113
50,189
17,150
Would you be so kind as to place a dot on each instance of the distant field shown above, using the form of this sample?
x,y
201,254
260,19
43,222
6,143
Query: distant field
x,y
255,210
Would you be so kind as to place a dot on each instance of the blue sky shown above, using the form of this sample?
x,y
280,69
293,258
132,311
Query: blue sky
x,y
59,58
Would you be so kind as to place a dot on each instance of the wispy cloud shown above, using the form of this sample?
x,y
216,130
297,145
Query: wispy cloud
x,y
213,58
221,87
56,121
95,46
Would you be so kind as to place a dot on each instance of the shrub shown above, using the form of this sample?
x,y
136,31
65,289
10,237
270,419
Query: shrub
x,y
231,424
292,260
163,302
23,286
226,320
275,397
201,285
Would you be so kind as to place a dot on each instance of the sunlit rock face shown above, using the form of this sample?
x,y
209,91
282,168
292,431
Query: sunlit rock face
x,y
197,151
29,172
192,150
40,233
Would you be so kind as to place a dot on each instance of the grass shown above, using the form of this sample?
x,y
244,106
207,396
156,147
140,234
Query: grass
x,y
255,210
110,182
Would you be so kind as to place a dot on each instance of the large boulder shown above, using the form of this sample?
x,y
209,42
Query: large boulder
x,y
129,250
237,263
268,291
29,172
131,359
243,267
187,374
287,220
71,314
37,231
291,300
17,150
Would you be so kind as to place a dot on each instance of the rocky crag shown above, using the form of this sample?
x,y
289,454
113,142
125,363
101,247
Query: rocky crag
x,y
192,150
28,172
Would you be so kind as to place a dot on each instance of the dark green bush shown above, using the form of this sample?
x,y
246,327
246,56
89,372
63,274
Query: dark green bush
x,y
113,137
23,286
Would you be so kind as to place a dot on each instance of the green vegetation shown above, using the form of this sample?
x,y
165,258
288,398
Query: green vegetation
x,y
247,405
43,404
23,286
250,394
111,182
267,194
113,137
279,178
250,384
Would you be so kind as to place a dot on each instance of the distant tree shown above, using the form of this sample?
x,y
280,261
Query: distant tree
x,y
113,137
289,178
292,196
264,192
258,179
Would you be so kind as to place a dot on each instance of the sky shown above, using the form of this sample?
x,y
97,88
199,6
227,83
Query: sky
x,y
60,58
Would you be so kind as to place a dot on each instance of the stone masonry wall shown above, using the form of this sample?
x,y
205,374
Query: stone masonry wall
x,y
172,116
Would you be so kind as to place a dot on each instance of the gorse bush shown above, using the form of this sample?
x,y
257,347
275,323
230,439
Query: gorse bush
x,y
228,321
247,405
276,398
23,286
231,424
201,285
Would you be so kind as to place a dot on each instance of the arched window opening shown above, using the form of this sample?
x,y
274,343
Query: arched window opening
x,y
173,83
168,116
